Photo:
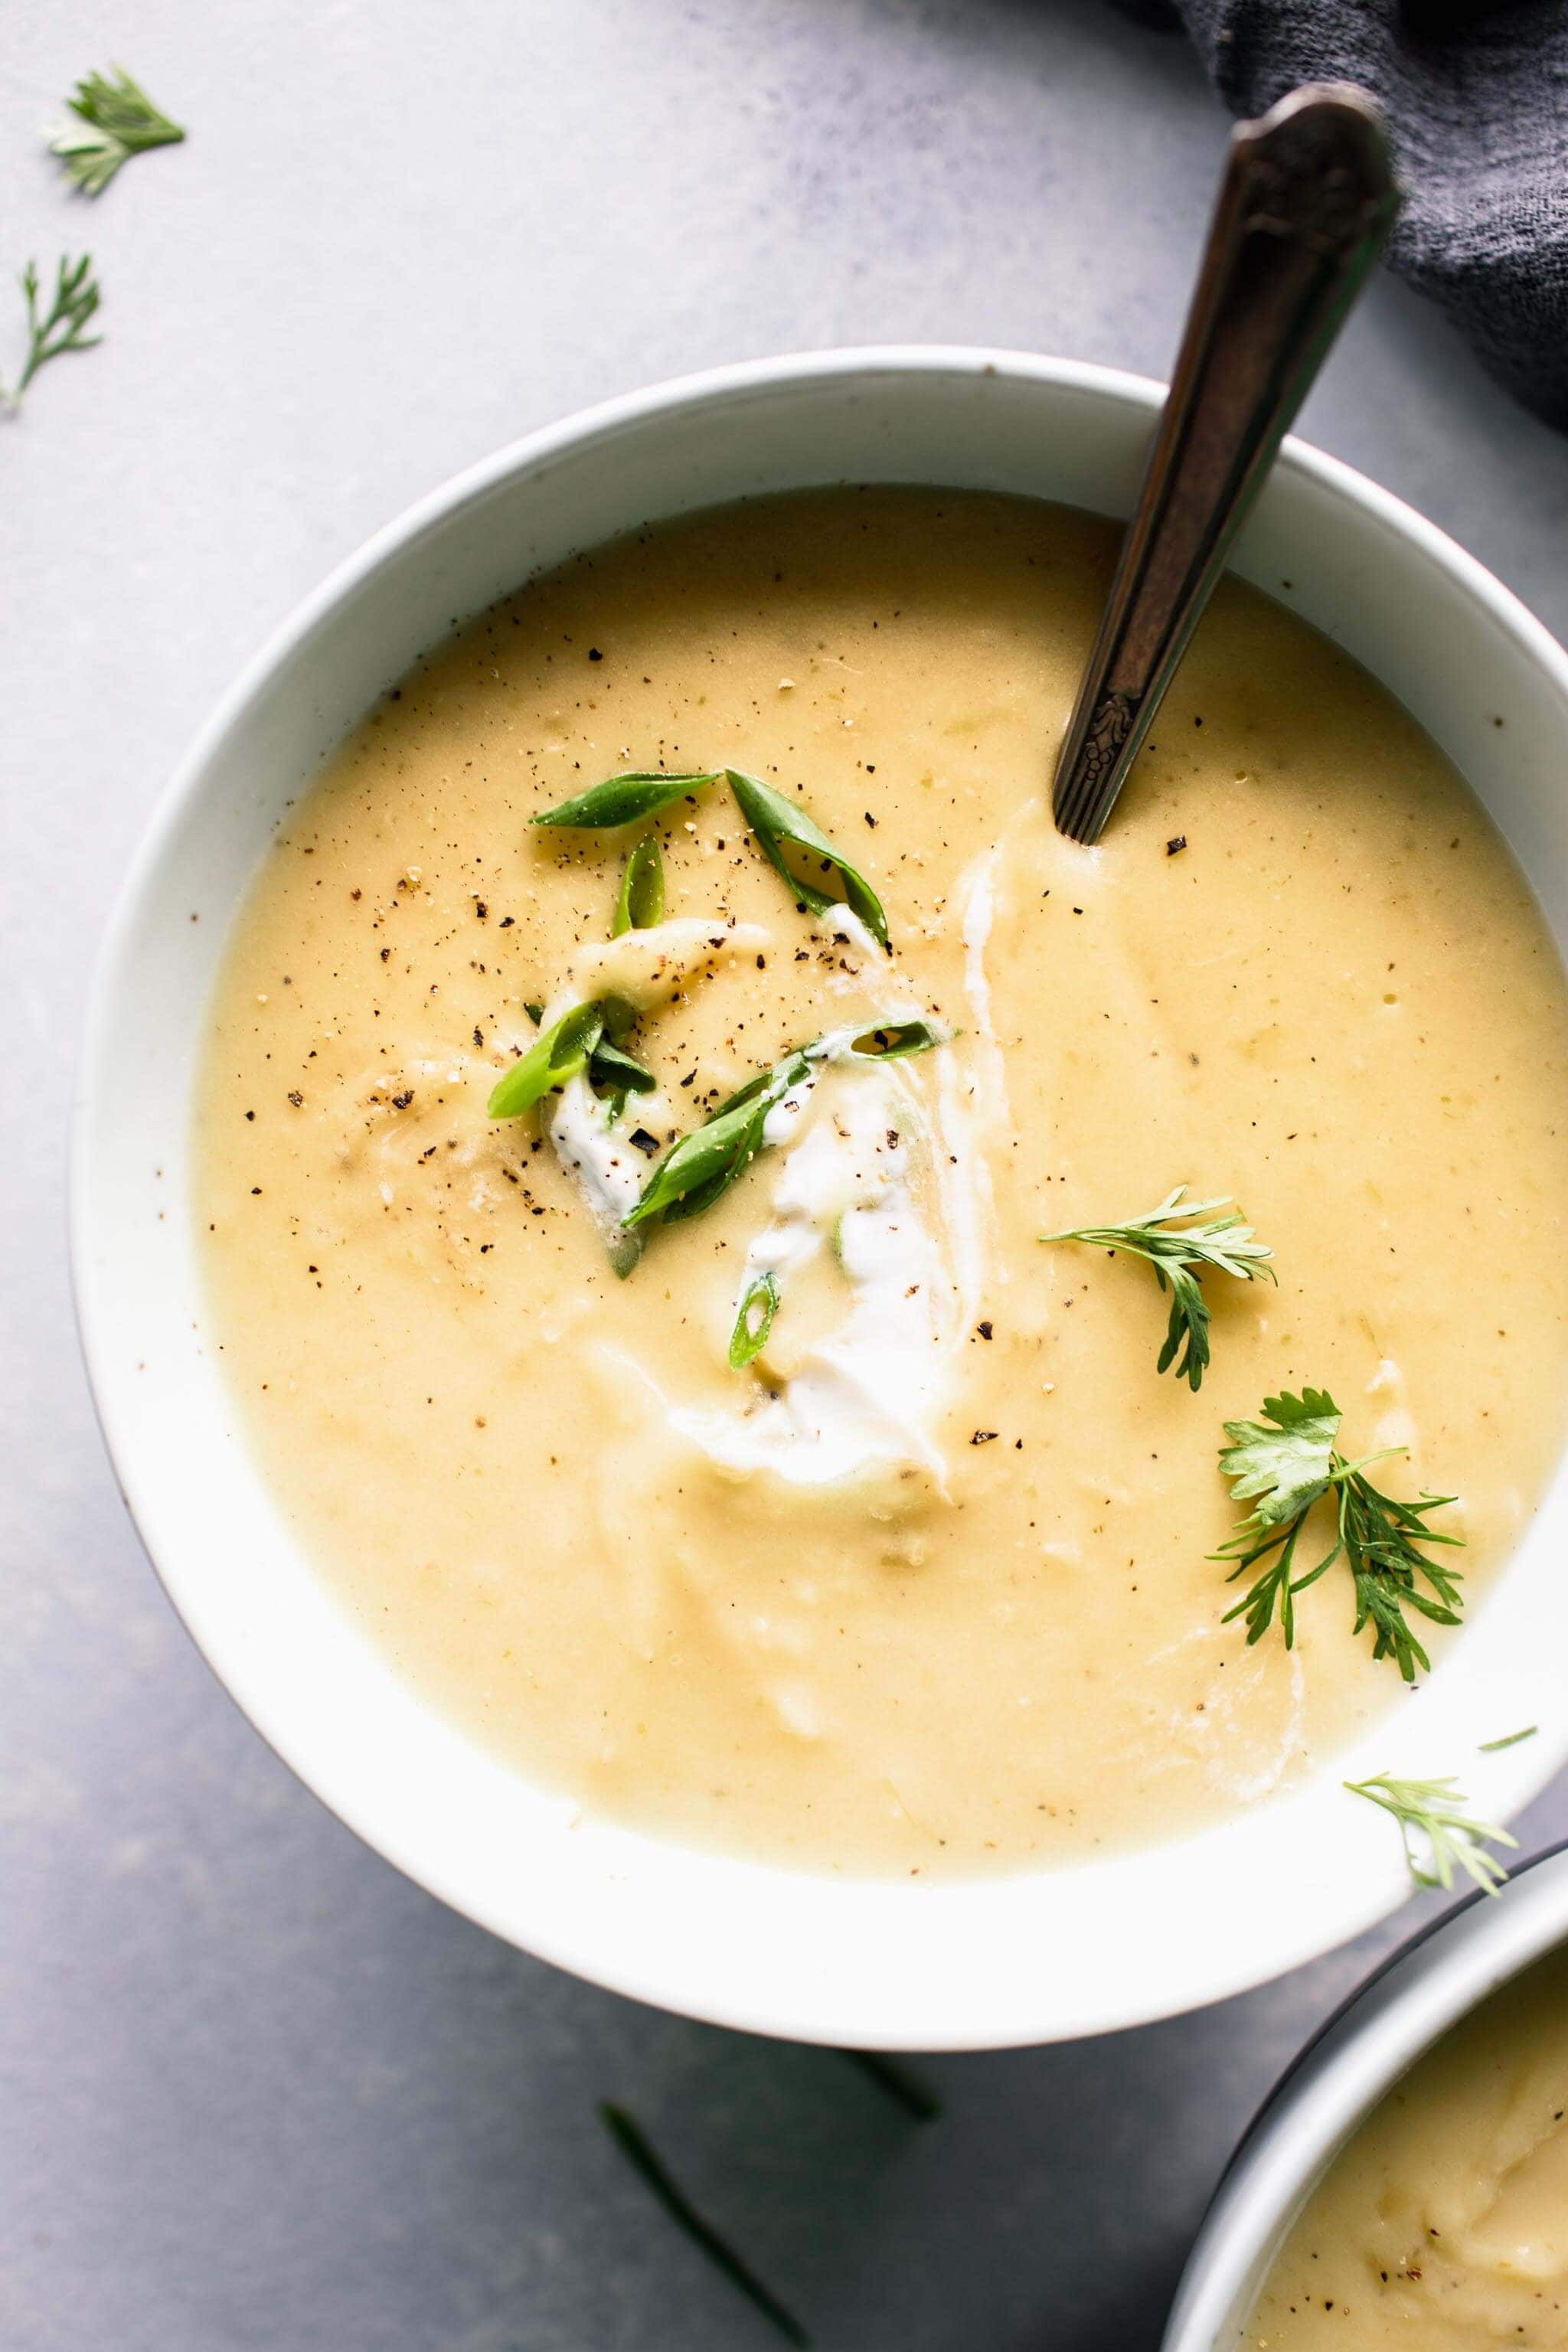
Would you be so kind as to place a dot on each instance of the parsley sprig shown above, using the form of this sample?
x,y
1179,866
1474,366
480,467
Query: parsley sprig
x,y
1181,1252
1434,1809
1284,1465
114,119
59,329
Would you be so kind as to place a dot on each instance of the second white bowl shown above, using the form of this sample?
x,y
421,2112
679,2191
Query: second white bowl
x,y
1340,2078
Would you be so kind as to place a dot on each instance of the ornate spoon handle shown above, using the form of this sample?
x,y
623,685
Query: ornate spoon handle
x,y
1307,201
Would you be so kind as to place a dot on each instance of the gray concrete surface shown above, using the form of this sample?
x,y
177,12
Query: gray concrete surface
x,y
254,2091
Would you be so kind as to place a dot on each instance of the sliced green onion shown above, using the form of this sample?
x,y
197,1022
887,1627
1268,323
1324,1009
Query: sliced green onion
x,y
621,800
755,1321
704,1163
890,1040
625,1251
614,1072
555,1056
778,825
641,903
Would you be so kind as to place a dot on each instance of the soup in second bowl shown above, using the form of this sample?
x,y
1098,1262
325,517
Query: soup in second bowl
x,y
1445,2222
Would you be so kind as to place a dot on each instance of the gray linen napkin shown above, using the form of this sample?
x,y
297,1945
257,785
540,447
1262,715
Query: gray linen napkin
x,y
1476,96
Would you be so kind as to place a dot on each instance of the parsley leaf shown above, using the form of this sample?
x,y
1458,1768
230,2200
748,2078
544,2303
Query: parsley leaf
x,y
76,298
1284,1465
115,119
1284,1462
1181,1252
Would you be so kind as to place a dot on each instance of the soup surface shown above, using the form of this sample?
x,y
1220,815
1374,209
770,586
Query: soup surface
x,y
926,1587
1445,2222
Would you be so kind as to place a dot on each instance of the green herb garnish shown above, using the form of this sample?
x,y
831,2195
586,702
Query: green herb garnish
x,y
633,2145
1285,1461
621,800
76,298
641,903
889,1041
1513,1740
753,1320
1434,1809
780,825
115,119
1181,1252
613,1071
556,1054
1285,1464
705,1162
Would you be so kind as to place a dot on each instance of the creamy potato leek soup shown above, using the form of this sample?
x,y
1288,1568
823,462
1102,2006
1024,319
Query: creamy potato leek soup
x,y
1445,2222
627,1231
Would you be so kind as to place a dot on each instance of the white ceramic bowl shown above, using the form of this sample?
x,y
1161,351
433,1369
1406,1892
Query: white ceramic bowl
x,y
1338,2080
896,1965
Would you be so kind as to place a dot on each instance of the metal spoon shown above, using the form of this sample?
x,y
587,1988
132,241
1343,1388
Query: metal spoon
x,y
1308,198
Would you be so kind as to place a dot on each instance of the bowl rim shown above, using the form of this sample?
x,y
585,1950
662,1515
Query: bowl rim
x,y
1385,2025
947,2021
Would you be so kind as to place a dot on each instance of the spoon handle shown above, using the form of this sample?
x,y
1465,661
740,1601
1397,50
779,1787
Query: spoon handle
x,y
1308,198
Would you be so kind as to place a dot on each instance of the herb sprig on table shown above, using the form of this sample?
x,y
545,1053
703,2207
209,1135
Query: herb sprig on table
x,y
1287,1463
640,2154
894,2080
1181,1250
57,330
114,119
1434,1809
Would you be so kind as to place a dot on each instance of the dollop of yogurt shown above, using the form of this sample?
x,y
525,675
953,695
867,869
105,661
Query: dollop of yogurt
x,y
856,1179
